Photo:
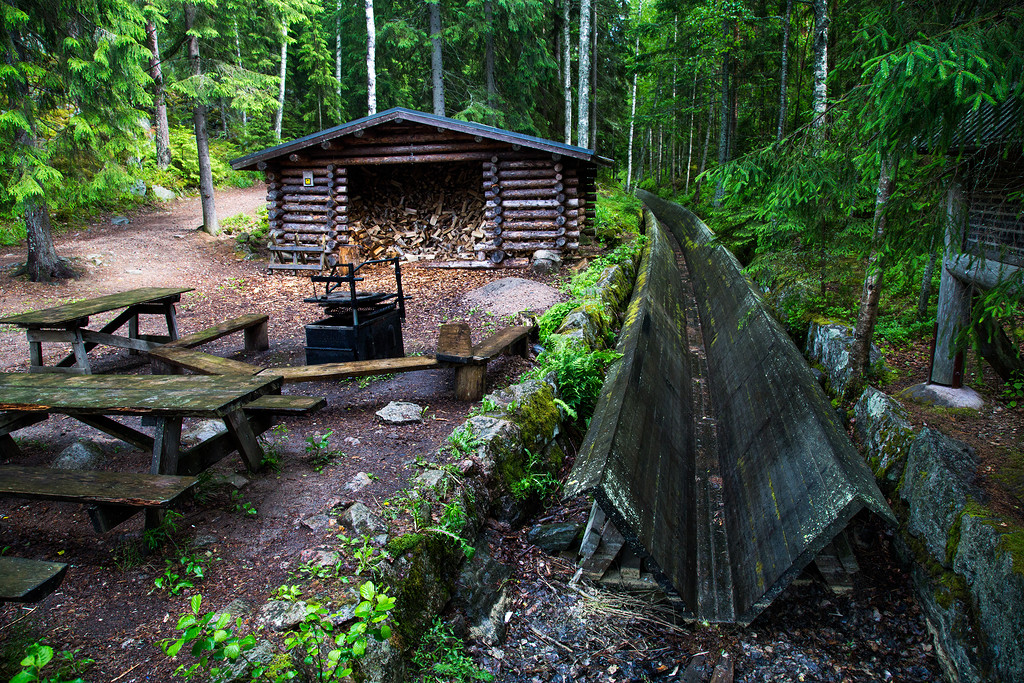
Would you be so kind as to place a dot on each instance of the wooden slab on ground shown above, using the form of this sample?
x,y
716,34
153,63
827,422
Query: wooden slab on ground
x,y
285,404
359,368
78,310
24,580
115,488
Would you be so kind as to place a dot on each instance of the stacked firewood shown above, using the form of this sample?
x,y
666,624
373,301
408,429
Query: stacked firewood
x,y
417,213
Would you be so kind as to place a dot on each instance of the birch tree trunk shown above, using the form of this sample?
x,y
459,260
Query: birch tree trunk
x,y
583,88
819,94
867,314
279,115
693,120
492,91
592,129
704,153
371,61
163,139
632,107
337,48
436,65
726,116
784,70
238,62
926,283
202,136
567,69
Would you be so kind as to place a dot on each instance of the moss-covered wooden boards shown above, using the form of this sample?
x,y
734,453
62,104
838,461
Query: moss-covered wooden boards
x,y
170,395
69,313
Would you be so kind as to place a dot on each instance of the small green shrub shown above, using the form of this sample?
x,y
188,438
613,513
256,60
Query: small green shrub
x,y
182,572
442,658
318,450
1013,390
580,373
62,666
535,481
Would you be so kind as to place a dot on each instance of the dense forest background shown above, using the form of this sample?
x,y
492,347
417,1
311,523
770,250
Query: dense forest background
x,y
812,134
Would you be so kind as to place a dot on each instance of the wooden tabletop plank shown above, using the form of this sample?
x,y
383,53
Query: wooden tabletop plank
x,y
499,341
169,395
23,580
114,488
68,313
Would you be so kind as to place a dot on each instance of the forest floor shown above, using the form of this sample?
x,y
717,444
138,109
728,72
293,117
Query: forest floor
x,y
255,539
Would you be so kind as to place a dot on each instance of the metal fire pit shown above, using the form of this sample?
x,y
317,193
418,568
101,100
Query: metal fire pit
x,y
360,325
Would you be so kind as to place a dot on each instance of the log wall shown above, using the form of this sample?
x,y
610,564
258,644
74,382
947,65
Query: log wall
x,y
532,199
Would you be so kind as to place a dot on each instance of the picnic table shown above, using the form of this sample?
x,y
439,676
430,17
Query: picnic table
x,y
93,399
68,324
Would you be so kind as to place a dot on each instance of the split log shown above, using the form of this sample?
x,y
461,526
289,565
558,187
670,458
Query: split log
x,y
545,183
529,175
534,214
533,246
531,234
532,203
531,193
305,208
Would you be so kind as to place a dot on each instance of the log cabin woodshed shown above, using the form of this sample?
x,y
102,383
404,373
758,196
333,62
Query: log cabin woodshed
x,y
424,187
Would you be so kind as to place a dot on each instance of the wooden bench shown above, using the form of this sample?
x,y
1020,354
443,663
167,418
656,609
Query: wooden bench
x,y
172,359
283,404
359,368
112,496
23,580
253,324
454,347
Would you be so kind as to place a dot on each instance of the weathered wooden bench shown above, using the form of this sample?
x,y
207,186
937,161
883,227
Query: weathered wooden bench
x,y
112,496
254,325
359,368
171,359
24,580
454,346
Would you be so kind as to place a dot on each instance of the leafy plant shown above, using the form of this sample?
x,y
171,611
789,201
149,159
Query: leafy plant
x,y
239,504
39,657
318,450
272,447
328,656
368,557
288,592
452,523
1013,390
214,642
535,481
319,571
442,658
180,573
462,442
580,373
165,531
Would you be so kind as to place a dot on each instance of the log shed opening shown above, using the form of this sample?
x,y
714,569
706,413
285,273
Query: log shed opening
x,y
424,188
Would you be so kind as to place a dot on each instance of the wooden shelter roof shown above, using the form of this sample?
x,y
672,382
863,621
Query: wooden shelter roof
x,y
400,115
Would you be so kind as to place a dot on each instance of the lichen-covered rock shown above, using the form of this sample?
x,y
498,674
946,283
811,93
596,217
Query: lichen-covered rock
x,y
480,594
583,325
614,286
361,521
531,406
401,413
422,579
949,621
937,483
828,344
884,429
281,615
81,455
985,558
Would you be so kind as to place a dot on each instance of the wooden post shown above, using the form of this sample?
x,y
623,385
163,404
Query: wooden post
x,y
954,309
470,382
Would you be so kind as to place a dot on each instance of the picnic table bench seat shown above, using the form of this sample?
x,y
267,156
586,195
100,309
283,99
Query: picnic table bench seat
x,y
174,358
25,580
254,325
113,497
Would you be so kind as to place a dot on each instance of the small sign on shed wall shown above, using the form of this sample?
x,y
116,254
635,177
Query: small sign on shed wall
x,y
307,179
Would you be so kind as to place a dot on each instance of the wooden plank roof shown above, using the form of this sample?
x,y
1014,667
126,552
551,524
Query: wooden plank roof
x,y
400,115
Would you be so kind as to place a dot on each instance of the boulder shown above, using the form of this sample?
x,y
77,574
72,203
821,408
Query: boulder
x,y
358,482
545,261
937,482
400,413
883,427
480,594
163,194
81,455
282,615
361,521
119,220
828,344
138,187
985,557
555,537
201,431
